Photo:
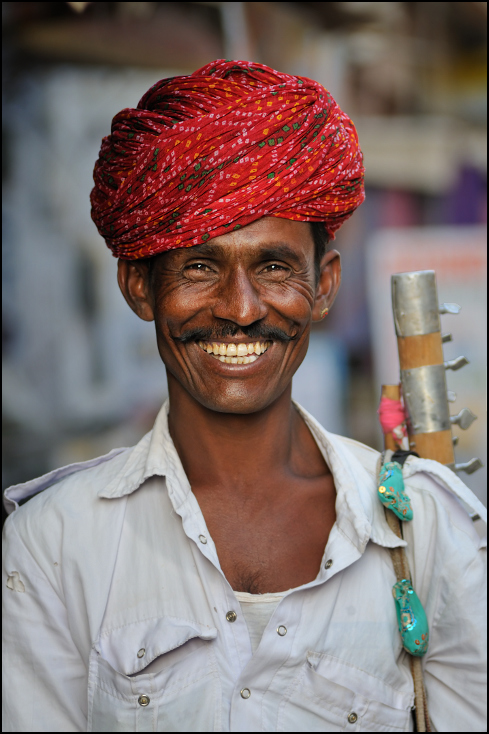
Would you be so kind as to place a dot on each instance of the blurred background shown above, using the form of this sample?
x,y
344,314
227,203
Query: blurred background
x,y
81,372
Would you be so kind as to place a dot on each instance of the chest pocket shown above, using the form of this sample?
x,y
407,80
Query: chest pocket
x,y
329,695
156,675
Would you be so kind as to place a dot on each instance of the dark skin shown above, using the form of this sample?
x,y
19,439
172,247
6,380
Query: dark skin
x,y
266,493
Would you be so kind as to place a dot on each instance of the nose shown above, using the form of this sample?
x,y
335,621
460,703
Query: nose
x,y
239,300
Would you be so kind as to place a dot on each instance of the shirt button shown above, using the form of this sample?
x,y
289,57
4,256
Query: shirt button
x,y
231,616
352,717
141,652
328,563
143,700
282,631
203,539
245,693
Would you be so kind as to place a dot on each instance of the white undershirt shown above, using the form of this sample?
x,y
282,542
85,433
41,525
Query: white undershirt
x,y
257,610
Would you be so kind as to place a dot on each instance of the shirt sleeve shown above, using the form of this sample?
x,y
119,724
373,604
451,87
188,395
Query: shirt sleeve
x,y
44,677
452,560
456,673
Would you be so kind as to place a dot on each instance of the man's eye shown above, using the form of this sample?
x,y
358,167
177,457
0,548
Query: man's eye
x,y
197,266
274,268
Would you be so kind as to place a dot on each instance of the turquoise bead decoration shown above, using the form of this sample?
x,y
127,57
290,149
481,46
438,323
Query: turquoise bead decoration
x,y
391,491
411,618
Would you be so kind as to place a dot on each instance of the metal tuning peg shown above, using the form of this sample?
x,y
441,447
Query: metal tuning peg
x,y
446,338
456,364
451,396
464,419
449,308
469,467
455,440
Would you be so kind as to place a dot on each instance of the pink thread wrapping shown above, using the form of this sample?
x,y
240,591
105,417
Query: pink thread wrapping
x,y
391,414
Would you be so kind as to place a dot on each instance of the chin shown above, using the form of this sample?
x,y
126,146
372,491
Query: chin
x,y
236,401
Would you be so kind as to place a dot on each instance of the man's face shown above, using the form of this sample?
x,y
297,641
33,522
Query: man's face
x,y
233,316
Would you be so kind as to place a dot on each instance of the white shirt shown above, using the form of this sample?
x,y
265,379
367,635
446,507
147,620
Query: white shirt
x,y
114,596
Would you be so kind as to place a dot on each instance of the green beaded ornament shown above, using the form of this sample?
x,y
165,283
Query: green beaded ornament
x,y
411,617
391,491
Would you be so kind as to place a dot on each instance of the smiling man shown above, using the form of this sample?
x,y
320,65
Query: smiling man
x,y
232,571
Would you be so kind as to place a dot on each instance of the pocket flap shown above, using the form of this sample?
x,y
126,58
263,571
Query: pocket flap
x,y
359,681
153,637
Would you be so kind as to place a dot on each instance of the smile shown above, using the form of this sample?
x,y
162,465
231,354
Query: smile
x,y
235,353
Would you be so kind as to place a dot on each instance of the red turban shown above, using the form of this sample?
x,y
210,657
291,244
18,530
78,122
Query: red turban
x,y
208,153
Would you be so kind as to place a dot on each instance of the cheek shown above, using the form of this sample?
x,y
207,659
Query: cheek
x,y
294,299
176,304
168,318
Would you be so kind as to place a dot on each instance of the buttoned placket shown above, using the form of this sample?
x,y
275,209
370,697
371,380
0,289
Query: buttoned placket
x,y
244,681
249,678
219,593
226,608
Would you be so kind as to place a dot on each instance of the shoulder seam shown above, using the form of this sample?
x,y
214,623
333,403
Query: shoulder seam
x,y
25,490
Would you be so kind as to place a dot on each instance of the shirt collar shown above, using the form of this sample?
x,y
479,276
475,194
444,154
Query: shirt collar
x,y
154,455
359,513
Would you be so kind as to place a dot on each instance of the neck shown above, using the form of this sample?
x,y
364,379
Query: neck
x,y
236,451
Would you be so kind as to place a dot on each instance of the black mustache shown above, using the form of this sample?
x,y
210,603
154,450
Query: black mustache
x,y
216,333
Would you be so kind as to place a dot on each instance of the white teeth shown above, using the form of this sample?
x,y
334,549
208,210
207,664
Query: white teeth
x,y
235,353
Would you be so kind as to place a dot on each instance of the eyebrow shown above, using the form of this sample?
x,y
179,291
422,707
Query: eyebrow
x,y
268,251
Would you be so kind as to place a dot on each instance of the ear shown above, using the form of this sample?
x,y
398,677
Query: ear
x,y
328,285
133,279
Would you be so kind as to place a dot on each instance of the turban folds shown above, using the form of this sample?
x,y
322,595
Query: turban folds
x,y
213,151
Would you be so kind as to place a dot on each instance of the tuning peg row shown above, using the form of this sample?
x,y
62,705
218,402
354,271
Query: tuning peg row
x,y
465,418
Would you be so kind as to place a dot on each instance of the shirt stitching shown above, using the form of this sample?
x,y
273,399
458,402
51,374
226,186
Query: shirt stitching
x,y
106,631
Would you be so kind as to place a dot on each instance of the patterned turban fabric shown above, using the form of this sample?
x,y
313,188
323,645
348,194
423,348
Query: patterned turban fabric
x,y
213,151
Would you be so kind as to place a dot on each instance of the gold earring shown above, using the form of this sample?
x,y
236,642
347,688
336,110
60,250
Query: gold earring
x,y
324,312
